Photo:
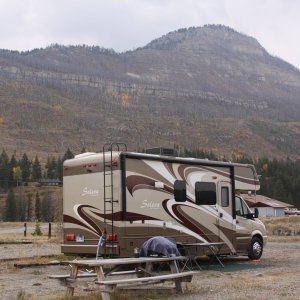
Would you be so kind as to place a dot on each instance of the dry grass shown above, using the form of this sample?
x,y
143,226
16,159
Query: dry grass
x,y
254,282
283,239
282,220
19,237
283,229
15,224
257,282
122,294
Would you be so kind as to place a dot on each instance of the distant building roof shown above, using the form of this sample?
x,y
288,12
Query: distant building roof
x,y
262,201
50,181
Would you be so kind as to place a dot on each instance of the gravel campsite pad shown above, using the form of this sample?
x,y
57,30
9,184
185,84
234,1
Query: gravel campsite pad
x,y
275,276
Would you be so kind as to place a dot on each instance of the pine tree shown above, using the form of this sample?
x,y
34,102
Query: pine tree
x,y
51,167
25,166
37,230
4,170
48,167
29,207
37,206
59,169
21,205
68,155
10,207
47,208
36,169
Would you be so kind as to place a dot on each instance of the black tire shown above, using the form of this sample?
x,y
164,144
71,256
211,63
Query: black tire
x,y
256,248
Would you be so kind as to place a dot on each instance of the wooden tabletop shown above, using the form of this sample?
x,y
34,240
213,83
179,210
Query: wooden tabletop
x,y
122,261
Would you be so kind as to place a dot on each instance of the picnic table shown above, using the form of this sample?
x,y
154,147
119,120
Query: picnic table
x,y
142,268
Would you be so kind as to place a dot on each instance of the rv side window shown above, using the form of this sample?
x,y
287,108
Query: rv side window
x,y
205,193
238,206
180,191
224,196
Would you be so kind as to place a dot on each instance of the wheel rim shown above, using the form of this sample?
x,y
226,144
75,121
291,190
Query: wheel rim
x,y
256,249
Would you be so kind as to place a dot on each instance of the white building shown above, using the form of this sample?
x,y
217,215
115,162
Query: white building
x,y
266,206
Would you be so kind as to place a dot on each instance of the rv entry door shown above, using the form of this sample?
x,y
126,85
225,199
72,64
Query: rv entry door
x,y
225,219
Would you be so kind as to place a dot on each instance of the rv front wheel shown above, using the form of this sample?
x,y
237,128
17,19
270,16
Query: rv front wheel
x,y
256,248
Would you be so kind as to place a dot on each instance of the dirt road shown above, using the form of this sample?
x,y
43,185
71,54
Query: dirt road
x,y
275,276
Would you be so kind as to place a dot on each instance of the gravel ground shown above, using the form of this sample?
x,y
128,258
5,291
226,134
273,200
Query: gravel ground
x,y
17,251
275,276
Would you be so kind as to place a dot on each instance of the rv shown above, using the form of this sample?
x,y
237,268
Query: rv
x,y
115,200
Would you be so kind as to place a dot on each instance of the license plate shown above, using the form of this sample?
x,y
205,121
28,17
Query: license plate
x,y
80,238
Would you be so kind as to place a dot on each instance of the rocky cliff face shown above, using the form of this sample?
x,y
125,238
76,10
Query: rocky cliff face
x,y
195,83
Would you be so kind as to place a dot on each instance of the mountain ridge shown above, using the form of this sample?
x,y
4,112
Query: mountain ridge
x,y
173,86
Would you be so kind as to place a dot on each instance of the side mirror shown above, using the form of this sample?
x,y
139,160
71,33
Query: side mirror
x,y
252,215
249,216
256,213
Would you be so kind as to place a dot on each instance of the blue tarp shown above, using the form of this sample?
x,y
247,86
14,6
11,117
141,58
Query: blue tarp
x,y
159,245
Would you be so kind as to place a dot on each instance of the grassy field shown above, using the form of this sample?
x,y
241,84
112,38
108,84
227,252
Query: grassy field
x,y
283,229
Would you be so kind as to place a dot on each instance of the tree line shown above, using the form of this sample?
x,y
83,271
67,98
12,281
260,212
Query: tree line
x,y
30,206
279,179
14,172
24,205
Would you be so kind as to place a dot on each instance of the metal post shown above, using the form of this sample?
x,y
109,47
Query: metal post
x,y
49,231
25,229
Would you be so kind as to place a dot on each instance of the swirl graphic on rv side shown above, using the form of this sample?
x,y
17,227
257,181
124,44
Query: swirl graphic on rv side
x,y
85,217
173,208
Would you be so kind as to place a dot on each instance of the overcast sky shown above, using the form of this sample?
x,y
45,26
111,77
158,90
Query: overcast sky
x,y
127,24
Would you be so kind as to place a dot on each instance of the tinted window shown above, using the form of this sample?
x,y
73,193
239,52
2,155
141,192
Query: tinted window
x,y
224,197
245,208
238,206
205,193
180,190
241,208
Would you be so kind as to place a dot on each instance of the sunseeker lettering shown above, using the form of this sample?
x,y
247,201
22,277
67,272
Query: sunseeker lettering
x,y
150,204
90,192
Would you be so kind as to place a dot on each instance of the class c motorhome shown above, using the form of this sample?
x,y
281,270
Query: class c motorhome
x,y
124,198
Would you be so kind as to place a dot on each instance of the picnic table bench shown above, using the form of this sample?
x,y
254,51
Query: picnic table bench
x,y
143,268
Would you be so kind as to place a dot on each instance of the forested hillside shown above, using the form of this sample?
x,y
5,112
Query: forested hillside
x,y
207,87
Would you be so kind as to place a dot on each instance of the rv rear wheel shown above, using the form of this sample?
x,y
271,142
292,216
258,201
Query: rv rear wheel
x,y
256,248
